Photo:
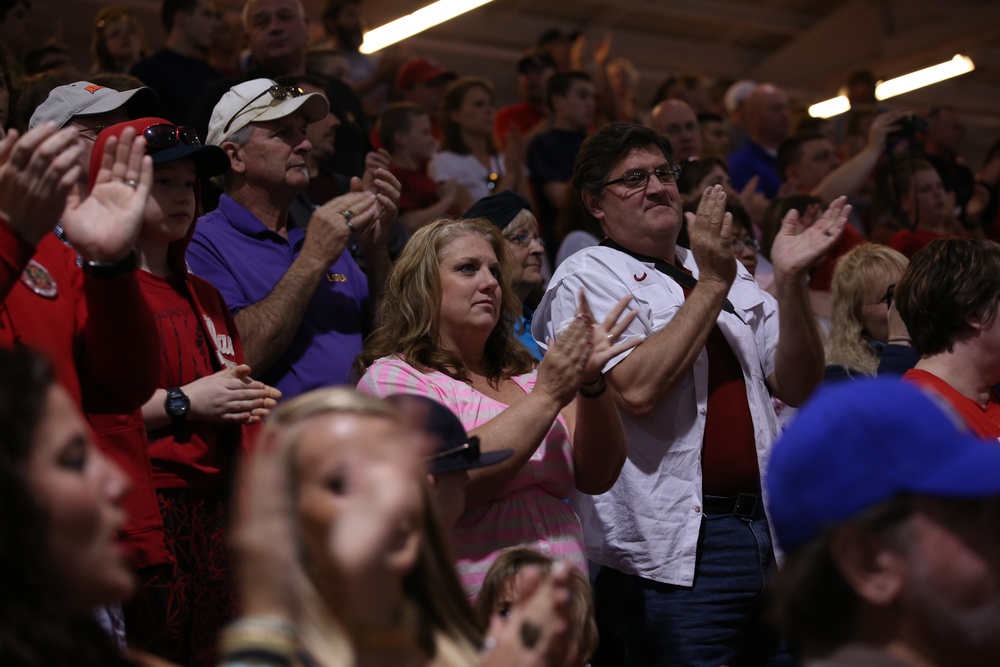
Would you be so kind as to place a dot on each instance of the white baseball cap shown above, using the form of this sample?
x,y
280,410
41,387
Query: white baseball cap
x,y
84,98
260,100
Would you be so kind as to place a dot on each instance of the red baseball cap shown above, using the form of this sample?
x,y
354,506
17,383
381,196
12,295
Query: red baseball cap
x,y
421,70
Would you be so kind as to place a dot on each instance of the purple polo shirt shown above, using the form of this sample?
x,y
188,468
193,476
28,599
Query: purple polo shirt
x,y
234,251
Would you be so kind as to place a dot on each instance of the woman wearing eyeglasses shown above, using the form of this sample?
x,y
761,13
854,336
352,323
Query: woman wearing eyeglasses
x,y
512,215
195,421
867,336
445,331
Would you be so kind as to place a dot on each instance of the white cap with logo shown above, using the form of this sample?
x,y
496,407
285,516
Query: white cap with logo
x,y
260,100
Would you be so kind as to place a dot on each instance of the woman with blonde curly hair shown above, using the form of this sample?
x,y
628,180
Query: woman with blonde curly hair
x,y
863,314
445,330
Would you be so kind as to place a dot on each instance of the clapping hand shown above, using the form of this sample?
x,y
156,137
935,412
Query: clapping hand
x,y
105,225
797,248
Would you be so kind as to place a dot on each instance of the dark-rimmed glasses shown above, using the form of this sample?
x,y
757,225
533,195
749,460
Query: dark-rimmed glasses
x,y
276,91
467,450
162,135
890,291
638,178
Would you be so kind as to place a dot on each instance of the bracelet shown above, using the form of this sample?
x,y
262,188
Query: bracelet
x,y
602,386
262,639
112,269
898,340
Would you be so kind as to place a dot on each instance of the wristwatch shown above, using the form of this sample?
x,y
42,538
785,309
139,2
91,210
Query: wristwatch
x,y
177,405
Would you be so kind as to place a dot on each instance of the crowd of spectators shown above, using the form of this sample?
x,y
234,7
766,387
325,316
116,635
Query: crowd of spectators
x,y
312,357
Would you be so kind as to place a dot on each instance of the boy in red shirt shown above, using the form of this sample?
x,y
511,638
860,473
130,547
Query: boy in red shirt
x,y
195,421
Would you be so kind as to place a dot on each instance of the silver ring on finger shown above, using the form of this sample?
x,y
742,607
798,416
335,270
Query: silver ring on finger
x,y
132,183
611,336
350,226
828,233
348,214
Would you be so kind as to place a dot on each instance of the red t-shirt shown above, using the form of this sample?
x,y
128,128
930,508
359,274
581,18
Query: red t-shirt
x,y
909,241
521,116
984,421
729,448
822,275
188,455
417,190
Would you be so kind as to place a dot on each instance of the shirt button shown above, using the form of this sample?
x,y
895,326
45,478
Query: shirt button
x,y
703,411
697,510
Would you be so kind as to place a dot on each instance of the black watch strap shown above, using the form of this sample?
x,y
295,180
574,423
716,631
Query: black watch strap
x,y
112,269
177,405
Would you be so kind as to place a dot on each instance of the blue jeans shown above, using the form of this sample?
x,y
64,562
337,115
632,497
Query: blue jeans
x,y
718,621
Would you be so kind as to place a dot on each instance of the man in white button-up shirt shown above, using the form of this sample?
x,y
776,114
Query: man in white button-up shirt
x,y
682,539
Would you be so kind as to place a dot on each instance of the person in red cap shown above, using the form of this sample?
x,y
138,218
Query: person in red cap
x,y
194,420
422,81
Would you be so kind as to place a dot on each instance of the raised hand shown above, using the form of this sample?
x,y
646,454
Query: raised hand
x,y
104,226
37,173
332,223
561,372
604,336
711,234
231,396
797,248
537,632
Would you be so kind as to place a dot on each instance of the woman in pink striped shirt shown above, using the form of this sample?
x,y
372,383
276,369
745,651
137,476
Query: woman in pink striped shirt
x,y
445,331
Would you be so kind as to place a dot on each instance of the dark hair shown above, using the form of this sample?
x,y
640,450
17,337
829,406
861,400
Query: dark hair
x,y
559,84
811,602
709,117
35,628
333,8
7,5
776,212
454,95
35,58
34,90
694,171
397,117
115,81
790,151
608,146
172,8
949,284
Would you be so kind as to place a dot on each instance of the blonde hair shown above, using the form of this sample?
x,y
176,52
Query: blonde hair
x,y
857,280
407,321
446,630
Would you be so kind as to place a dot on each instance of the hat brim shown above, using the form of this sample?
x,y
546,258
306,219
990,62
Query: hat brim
x,y
138,103
208,160
312,105
457,463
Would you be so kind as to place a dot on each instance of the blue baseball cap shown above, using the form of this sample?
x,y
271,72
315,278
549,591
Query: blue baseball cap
x,y
455,449
856,444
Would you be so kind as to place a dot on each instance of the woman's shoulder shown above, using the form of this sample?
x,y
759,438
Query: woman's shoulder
x,y
395,375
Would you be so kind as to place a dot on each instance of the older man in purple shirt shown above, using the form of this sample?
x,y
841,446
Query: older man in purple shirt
x,y
300,301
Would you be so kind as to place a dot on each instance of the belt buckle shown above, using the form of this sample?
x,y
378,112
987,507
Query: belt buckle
x,y
746,505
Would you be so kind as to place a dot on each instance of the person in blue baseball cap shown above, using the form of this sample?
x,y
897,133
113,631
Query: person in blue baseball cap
x,y
453,451
888,509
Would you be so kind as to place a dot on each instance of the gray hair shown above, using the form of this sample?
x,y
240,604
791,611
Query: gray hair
x,y
240,137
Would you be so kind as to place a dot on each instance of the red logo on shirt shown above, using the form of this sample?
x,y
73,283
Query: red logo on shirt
x,y
639,279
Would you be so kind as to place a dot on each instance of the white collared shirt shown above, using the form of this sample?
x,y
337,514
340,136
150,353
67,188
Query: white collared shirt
x,y
648,523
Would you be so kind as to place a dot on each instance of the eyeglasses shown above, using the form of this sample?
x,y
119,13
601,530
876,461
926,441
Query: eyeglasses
x,y
467,450
890,291
739,245
277,92
524,239
640,177
167,136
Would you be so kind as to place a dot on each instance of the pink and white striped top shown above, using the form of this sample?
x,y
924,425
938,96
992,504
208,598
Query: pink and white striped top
x,y
531,511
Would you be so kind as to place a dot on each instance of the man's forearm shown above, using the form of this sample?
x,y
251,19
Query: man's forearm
x,y
268,326
654,368
798,365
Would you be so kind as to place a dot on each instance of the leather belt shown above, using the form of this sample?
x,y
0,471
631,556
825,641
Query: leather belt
x,y
745,505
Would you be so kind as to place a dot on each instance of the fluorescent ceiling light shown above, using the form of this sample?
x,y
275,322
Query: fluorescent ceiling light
x,y
924,77
417,22
901,84
837,105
